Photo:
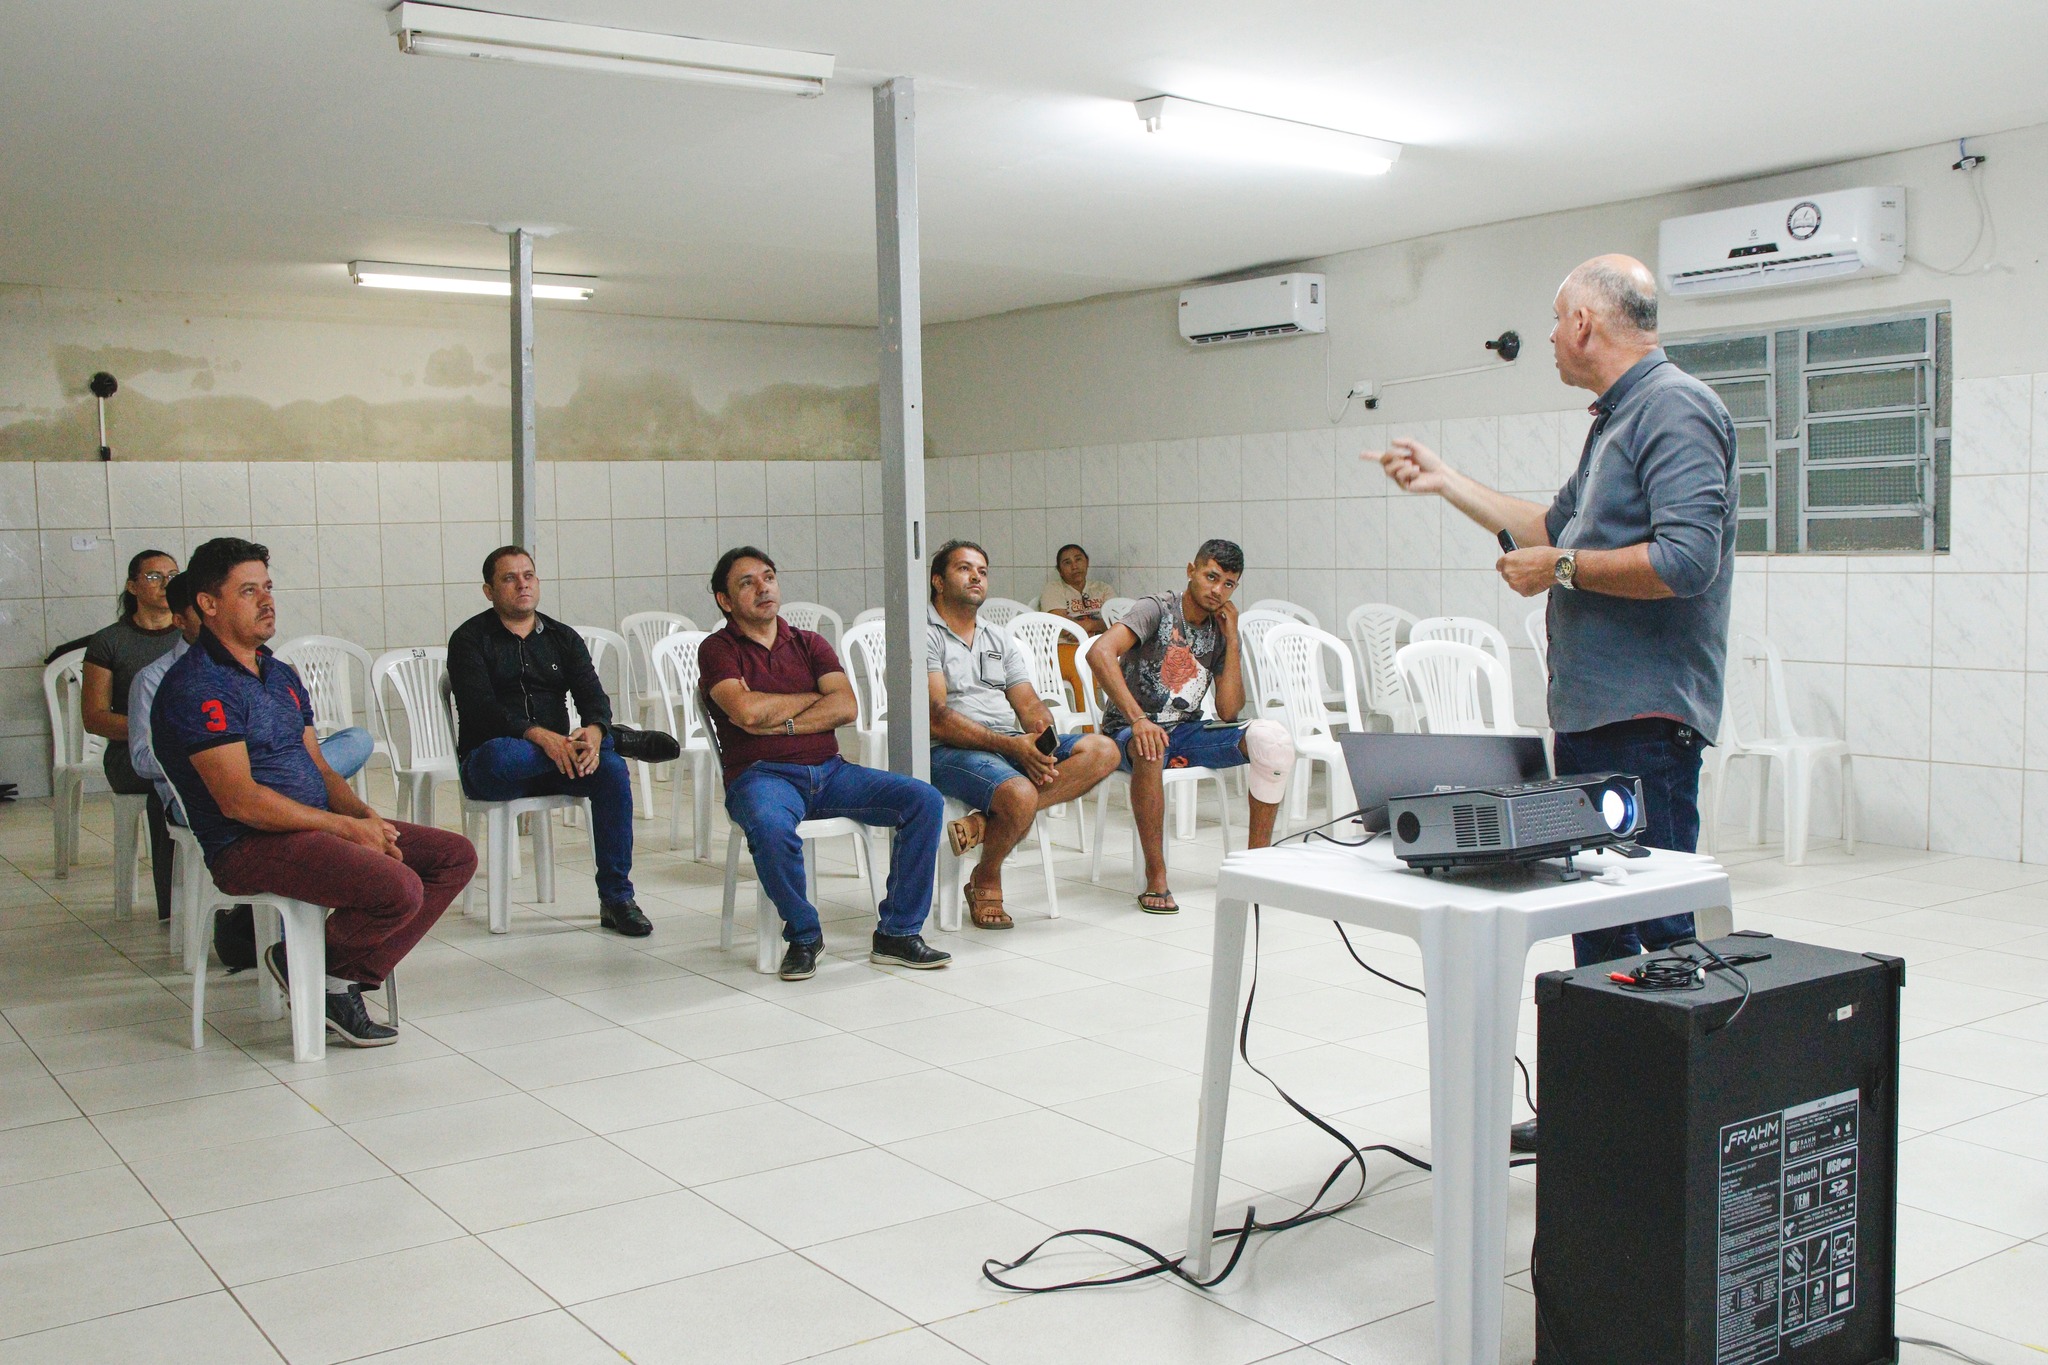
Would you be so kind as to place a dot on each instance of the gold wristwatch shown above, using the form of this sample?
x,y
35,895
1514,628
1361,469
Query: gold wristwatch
x,y
1566,570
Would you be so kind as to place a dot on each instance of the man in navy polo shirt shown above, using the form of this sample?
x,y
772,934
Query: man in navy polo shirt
x,y
232,728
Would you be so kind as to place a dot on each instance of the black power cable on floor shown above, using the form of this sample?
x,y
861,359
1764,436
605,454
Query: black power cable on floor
x,y
1160,1263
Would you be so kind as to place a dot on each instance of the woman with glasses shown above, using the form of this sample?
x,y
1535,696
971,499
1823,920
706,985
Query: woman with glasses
x,y
113,656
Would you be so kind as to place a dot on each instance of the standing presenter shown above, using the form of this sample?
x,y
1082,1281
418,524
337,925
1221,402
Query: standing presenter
x,y
1637,551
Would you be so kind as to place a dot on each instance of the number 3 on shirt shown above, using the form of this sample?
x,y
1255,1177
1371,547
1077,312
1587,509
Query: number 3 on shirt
x,y
216,718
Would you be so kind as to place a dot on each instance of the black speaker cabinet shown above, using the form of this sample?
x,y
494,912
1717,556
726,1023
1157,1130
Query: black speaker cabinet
x,y
1712,1193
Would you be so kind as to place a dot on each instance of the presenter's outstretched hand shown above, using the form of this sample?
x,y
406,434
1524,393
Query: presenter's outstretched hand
x,y
1412,465
1529,571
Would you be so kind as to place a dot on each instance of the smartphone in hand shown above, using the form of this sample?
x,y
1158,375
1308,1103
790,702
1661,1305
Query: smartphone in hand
x,y
1047,742
1507,541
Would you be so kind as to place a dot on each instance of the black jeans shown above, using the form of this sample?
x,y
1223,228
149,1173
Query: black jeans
x,y
1666,756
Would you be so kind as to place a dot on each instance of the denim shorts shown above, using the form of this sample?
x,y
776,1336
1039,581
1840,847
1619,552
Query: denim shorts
x,y
1188,745
971,776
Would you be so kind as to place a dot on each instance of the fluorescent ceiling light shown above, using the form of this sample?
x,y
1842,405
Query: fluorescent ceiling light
x,y
445,31
452,279
1258,137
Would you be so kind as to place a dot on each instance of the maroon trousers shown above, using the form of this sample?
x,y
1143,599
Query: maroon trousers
x,y
382,906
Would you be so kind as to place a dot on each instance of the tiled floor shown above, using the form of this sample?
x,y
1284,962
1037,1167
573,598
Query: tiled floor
x,y
585,1147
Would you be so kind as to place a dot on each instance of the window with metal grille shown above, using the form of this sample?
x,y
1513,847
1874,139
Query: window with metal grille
x,y
1841,431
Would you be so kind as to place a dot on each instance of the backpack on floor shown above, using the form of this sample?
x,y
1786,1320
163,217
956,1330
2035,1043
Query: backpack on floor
x,y
234,937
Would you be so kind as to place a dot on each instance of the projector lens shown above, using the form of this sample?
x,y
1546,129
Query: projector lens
x,y
1618,808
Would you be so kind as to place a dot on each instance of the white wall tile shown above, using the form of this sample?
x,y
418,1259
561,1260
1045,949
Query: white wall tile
x,y
1137,474
1361,530
1180,471
693,546
637,488
2037,721
1467,544
1472,592
871,486
1891,801
791,487
18,510
1098,535
346,494
2034,819
1357,476
412,556
583,491
1312,533
635,594
408,491
1312,464
1572,426
1137,530
1414,533
1472,446
463,547
1980,621
1988,517
1265,534
1063,478
30,758
585,601
132,541
413,617
1808,615
1974,811
68,618
1418,592
1031,545
1889,711
1181,532
1260,460
294,554
737,531
22,710
639,548
742,489
1315,589
1990,425
1979,717
1429,433
467,489
72,572
1356,587
351,557
460,601
2040,423
584,550
285,493
354,614
144,493
794,543
841,544
838,487
544,484
1220,521
22,640
1528,452
21,564
1891,618
690,488
1217,467
71,496
994,490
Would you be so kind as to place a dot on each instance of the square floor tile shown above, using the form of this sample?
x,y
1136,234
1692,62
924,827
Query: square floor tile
x,y
734,1142
628,1246
740,1316
211,1121
813,1065
639,1098
909,1106
46,1149
401,1088
1027,1152
930,1268
208,1328
544,1339
422,1138
190,1183
543,1182
308,1231
93,1277
836,1196
1155,1323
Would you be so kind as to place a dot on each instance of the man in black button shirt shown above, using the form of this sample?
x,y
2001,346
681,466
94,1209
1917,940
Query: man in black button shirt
x,y
513,671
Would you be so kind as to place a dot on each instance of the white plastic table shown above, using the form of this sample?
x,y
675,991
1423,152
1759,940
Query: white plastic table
x,y
1475,931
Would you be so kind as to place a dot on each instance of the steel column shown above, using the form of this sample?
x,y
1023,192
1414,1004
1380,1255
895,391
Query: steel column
x,y
524,479
903,520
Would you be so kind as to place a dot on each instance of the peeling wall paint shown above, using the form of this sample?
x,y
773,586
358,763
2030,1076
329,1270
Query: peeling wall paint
x,y
341,380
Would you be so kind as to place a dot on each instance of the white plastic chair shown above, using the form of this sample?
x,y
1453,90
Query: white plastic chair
x,y
863,652
415,677
953,871
1252,629
1445,679
74,754
767,920
606,647
641,702
1294,611
1536,625
1296,656
328,665
1000,611
1038,634
1466,630
1113,610
676,675
1170,779
867,615
1768,734
1377,631
816,617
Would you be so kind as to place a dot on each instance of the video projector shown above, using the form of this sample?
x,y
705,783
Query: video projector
x,y
1517,823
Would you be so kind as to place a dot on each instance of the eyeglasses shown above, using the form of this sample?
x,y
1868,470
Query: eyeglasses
x,y
154,577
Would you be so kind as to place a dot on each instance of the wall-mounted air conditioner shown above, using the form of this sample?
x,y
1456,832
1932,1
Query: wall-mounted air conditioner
x,y
1248,310
1794,241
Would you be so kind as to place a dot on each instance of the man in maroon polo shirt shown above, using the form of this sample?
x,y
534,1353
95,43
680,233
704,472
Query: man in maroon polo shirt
x,y
776,696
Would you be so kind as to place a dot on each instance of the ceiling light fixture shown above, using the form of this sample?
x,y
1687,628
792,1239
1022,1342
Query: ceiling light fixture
x,y
445,31
1260,137
452,279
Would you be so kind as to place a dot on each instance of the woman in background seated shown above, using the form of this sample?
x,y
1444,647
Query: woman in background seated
x,y
1073,594
113,656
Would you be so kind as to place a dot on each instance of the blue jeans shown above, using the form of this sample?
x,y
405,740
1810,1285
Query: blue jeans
x,y
507,769
769,800
346,751
1666,756
1193,744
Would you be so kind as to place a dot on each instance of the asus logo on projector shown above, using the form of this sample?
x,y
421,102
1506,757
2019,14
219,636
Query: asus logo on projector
x,y
1251,310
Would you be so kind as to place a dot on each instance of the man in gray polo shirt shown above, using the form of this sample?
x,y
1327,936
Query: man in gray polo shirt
x,y
987,720
1638,553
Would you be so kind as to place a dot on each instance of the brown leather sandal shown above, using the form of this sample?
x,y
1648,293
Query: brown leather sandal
x,y
985,907
966,832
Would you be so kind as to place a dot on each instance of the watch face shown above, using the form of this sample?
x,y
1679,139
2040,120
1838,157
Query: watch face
x,y
1804,220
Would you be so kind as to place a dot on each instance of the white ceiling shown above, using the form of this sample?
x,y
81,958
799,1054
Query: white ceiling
x,y
258,144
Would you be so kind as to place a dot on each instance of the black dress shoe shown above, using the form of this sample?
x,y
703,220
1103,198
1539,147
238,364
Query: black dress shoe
x,y
645,746
348,1021
1522,1137
906,950
624,918
800,962
274,958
